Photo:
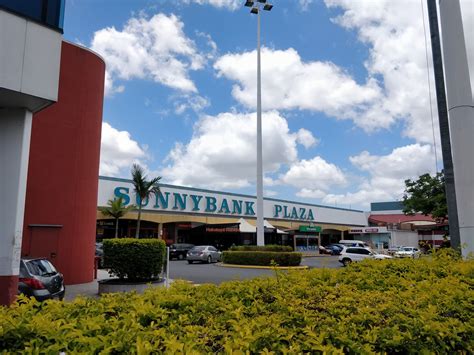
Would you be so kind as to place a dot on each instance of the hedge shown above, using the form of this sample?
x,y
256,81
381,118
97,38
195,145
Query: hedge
x,y
269,247
390,306
134,259
262,258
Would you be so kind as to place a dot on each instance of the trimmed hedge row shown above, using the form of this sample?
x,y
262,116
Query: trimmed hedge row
x,y
389,306
134,259
262,258
269,247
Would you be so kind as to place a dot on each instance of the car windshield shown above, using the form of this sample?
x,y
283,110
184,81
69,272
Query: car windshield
x,y
40,267
407,249
198,248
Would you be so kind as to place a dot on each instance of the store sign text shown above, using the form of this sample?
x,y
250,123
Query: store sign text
x,y
209,204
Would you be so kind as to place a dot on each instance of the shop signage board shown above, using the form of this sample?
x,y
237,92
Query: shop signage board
x,y
316,229
179,199
366,230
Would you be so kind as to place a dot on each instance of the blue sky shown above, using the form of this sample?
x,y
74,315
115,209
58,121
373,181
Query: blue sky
x,y
345,94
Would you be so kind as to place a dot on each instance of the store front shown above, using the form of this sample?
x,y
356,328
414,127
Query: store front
x,y
187,215
376,237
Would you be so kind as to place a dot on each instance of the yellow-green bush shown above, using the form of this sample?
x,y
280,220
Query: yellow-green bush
x,y
408,306
134,259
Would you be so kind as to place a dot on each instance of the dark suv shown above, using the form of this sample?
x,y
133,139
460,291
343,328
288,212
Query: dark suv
x,y
39,279
179,251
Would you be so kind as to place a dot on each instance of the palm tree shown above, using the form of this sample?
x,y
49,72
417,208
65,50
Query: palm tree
x,y
116,209
143,189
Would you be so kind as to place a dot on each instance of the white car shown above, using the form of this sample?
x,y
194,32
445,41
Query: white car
x,y
348,255
407,252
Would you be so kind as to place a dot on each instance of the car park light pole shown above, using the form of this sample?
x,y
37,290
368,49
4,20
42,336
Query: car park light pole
x,y
256,8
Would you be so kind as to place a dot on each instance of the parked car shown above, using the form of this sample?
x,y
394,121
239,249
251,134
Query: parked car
x,y
179,251
40,279
353,243
392,250
408,252
350,254
203,253
335,249
99,253
331,249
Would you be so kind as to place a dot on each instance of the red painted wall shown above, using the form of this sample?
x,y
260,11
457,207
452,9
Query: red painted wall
x,y
63,169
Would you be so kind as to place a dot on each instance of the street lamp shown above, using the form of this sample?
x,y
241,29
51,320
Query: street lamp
x,y
256,8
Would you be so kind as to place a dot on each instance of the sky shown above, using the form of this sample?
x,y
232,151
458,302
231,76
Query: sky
x,y
345,94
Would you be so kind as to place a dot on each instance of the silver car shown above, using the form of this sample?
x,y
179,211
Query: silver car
x,y
203,253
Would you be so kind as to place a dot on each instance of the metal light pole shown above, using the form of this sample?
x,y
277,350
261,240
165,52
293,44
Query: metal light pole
x,y
461,120
256,9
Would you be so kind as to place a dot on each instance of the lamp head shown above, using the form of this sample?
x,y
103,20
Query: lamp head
x,y
267,7
254,10
249,3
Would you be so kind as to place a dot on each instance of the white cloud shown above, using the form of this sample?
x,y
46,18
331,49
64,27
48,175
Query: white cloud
x,y
306,138
311,193
228,4
187,102
222,151
394,32
270,193
118,151
387,174
313,176
396,87
156,49
304,4
290,83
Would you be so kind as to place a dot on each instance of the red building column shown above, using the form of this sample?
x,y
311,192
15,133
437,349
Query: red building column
x,y
61,196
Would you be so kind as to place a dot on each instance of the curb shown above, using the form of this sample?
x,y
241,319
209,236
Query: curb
x,y
303,267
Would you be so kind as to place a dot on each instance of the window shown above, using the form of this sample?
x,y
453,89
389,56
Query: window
x,y
40,267
47,12
352,251
212,249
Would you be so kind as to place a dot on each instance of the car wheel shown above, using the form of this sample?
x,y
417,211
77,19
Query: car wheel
x,y
209,259
346,261
190,261
180,257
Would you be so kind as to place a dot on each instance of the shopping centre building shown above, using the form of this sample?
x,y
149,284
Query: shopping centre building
x,y
189,215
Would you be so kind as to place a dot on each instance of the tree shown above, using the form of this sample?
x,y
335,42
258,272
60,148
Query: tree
x,y
426,195
116,209
143,189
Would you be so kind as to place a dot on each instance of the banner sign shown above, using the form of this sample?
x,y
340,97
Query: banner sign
x,y
373,230
316,229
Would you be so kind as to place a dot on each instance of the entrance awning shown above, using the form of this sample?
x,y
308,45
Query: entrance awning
x,y
268,225
246,227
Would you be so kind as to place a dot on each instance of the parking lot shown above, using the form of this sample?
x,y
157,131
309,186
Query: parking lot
x,y
214,273
198,273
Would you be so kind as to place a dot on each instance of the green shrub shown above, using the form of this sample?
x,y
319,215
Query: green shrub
x,y
407,306
134,259
261,248
263,258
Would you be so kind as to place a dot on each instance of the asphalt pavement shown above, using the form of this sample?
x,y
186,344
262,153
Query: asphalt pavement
x,y
198,273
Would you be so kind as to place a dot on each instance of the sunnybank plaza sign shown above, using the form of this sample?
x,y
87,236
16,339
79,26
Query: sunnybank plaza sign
x,y
175,199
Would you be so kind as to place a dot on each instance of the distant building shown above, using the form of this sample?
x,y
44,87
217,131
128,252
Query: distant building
x,y
408,230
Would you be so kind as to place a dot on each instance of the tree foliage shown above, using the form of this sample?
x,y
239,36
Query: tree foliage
x,y
426,195
143,189
116,209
